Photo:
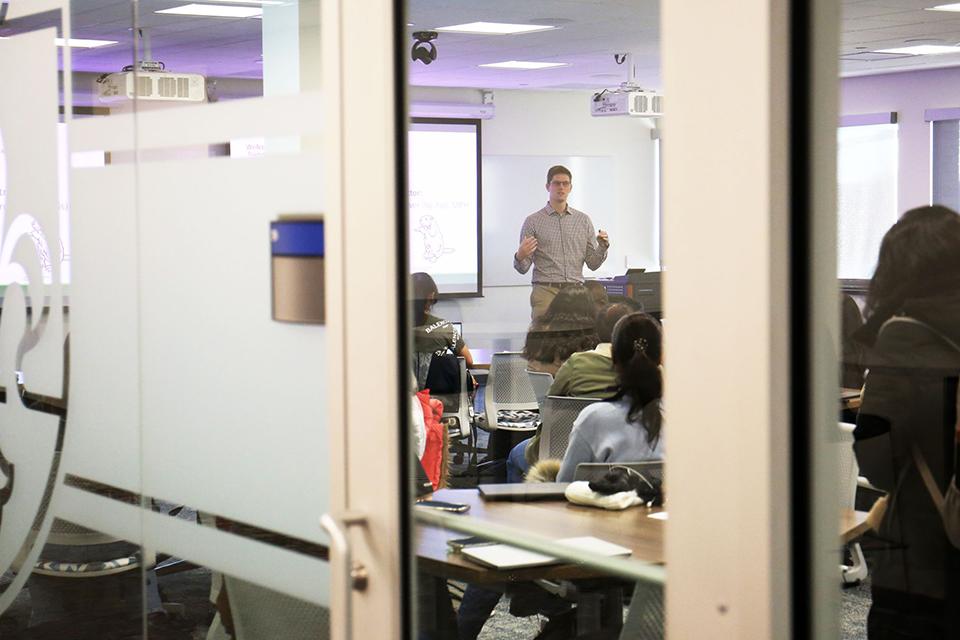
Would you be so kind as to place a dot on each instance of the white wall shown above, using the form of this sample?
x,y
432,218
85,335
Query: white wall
x,y
557,124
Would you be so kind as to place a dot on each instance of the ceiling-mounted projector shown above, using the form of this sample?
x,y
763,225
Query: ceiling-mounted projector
x,y
629,99
152,82
618,102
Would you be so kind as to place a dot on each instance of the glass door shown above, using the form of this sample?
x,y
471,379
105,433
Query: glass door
x,y
179,228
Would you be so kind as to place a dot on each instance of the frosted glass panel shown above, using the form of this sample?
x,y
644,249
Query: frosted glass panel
x,y
867,195
31,322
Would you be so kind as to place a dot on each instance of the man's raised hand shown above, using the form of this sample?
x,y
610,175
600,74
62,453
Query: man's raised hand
x,y
527,247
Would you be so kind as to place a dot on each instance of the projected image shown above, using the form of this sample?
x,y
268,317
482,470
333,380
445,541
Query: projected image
x,y
444,196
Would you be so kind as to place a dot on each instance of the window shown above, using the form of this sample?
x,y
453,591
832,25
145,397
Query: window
x,y
866,192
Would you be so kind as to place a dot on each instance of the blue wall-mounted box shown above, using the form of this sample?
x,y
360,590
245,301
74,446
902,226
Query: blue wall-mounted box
x,y
296,265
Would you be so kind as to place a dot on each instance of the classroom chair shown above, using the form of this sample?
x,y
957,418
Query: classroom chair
x,y
559,414
509,399
849,473
541,383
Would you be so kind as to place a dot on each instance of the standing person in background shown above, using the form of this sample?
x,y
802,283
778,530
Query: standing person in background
x,y
557,241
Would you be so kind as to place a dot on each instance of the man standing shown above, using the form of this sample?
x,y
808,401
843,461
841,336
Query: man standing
x,y
557,240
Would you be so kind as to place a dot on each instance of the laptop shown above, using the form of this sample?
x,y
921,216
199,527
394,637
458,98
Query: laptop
x,y
523,491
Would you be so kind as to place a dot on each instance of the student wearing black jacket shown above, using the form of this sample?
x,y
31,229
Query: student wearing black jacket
x,y
910,401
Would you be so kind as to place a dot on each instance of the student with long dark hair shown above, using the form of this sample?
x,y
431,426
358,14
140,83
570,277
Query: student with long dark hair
x,y
431,335
908,420
628,427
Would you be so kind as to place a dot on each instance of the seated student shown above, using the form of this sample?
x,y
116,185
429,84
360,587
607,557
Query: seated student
x,y
433,336
590,374
586,374
625,429
851,363
908,422
599,294
567,326
628,427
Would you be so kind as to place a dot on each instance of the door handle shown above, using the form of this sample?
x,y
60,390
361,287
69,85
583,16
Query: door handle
x,y
352,577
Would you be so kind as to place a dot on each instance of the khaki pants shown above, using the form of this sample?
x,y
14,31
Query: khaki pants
x,y
540,299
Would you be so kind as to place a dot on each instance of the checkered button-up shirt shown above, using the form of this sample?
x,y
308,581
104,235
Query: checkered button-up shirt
x,y
565,242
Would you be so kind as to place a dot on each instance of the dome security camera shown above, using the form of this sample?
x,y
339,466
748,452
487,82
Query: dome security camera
x,y
423,49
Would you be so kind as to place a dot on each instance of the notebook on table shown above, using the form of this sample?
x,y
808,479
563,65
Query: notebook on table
x,y
503,556
523,491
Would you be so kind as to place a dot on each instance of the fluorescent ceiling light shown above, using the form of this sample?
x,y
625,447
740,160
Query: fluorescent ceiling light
x,y
922,50
83,43
213,11
494,28
945,7
520,64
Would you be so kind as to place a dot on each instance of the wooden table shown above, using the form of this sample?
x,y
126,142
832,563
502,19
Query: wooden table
x,y
631,528
849,398
853,524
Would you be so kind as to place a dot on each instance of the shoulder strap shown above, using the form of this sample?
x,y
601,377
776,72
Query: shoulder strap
x,y
927,476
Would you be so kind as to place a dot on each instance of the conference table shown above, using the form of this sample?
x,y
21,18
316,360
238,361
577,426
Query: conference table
x,y
632,528
850,398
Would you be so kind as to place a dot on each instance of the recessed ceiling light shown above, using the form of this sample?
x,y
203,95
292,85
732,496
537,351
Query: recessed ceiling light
x,y
494,28
922,50
520,64
83,43
213,11
945,7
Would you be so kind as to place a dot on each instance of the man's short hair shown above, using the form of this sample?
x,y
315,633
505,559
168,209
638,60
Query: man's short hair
x,y
558,168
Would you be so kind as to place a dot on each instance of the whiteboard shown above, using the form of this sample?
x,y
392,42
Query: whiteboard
x,y
515,186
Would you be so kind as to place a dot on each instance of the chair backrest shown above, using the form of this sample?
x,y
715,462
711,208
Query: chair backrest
x,y
457,415
557,419
462,410
508,386
541,382
259,612
849,470
596,470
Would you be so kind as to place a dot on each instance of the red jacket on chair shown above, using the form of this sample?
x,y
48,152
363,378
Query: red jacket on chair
x,y
434,458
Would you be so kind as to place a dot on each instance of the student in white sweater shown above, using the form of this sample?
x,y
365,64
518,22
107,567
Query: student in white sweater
x,y
628,427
